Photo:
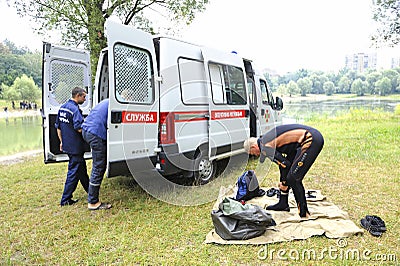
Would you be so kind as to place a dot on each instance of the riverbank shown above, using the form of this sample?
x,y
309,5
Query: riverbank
x,y
350,97
18,157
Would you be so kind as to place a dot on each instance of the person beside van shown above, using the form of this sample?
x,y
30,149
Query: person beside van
x,y
294,148
69,127
94,131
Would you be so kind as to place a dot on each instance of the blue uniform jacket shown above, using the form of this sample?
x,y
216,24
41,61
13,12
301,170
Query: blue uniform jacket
x,y
69,121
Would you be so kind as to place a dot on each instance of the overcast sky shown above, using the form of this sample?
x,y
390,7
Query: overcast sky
x,y
284,35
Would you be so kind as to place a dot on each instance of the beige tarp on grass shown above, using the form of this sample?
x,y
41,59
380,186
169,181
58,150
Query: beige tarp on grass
x,y
326,219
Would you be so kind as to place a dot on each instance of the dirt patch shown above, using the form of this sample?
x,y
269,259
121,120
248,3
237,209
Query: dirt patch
x,y
18,157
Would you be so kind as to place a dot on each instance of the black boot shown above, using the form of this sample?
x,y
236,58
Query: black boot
x,y
282,204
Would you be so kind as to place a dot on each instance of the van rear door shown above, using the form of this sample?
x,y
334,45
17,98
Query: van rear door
x,y
63,68
133,94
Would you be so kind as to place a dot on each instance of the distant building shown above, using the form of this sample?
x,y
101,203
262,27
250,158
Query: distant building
x,y
395,62
361,61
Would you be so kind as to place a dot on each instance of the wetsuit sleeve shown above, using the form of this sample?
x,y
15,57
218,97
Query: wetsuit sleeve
x,y
273,155
266,152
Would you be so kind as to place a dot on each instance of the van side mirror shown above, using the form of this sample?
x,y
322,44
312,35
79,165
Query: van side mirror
x,y
278,104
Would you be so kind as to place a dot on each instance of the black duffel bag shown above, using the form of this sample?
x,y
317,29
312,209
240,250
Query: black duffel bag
x,y
235,221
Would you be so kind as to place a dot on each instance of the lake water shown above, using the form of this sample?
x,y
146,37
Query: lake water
x,y
298,111
19,134
25,133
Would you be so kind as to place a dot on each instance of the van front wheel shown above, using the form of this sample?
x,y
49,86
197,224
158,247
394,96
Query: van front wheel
x,y
204,169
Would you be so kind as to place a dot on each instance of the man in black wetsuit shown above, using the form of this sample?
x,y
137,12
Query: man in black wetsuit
x,y
294,148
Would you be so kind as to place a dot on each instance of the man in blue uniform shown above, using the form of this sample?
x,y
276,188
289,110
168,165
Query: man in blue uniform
x,y
293,148
94,131
69,127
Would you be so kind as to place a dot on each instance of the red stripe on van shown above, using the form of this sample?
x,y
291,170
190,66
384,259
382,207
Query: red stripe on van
x,y
227,114
139,117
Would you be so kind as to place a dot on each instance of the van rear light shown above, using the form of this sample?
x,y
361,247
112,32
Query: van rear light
x,y
167,128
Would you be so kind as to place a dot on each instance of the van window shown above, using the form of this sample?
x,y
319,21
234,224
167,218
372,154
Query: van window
x,y
227,83
64,76
192,80
133,75
266,94
217,84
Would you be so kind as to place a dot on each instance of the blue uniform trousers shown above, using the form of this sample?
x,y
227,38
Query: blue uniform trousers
x,y
77,171
99,164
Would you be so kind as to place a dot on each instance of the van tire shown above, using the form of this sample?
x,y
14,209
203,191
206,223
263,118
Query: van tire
x,y
204,169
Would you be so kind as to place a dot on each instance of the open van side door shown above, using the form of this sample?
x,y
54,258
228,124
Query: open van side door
x,y
134,106
63,68
228,107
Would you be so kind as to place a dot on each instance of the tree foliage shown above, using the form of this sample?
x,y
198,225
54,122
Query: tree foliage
x,y
292,88
23,88
329,87
387,14
383,86
81,22
344,81
305,85
15,61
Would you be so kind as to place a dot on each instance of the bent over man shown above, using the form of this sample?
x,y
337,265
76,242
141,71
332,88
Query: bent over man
x,y
294,148
95,133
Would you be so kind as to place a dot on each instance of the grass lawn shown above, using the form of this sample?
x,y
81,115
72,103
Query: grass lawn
x,y
358,170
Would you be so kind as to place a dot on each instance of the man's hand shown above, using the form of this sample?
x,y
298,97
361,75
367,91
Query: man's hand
x,y
61,146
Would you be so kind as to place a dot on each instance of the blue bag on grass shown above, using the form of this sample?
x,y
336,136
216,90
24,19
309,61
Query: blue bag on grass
x,y
248,187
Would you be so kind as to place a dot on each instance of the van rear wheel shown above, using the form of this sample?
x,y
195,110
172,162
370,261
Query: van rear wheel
x,y
204,169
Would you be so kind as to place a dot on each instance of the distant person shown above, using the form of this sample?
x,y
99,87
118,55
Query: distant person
x,y
69,130
294,149
94,131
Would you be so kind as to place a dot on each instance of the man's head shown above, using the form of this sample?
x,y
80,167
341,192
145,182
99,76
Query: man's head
x,y
78,95
251,146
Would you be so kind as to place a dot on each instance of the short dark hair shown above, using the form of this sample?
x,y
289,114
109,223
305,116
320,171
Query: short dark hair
x,y
77,91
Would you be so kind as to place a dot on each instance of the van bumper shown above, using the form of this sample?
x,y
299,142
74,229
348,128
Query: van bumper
x,y
172,162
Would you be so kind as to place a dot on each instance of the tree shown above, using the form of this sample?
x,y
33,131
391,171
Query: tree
x,y
281,89
305,85
392,76
82,22
387,14
9,93
359,87
372,78
15,61
26,89
344,85
329,88
292,88
318,80
383,86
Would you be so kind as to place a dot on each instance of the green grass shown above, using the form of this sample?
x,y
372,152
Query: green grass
x,y
358,170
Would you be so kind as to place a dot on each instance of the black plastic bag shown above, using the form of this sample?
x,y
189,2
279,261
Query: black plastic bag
x,y
240,223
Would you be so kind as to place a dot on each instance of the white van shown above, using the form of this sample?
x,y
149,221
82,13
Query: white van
x,y
174,106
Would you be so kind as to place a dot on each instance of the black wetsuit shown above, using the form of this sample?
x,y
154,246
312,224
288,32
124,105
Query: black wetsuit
x,y
294,148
